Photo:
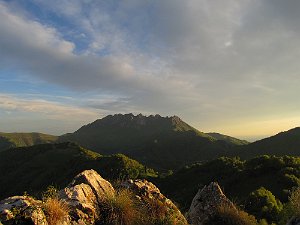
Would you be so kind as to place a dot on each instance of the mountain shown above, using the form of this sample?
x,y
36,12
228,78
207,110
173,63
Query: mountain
x,y
228,139
35,168
11,140
159,142
283,143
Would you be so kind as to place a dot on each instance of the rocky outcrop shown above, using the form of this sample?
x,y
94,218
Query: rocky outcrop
x,y
147,192
85,194
22,210
86,197
205,204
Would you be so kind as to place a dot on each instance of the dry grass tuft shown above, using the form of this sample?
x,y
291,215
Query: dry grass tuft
x,y
56,211
121,209
227,215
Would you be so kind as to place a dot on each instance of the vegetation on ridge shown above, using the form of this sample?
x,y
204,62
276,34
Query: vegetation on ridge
x,y
12,140
34,168
241,181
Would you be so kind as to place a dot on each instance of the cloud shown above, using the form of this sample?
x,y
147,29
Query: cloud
x,y
49,109
211,61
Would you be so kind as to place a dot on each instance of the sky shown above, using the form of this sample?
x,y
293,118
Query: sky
x,y
224,66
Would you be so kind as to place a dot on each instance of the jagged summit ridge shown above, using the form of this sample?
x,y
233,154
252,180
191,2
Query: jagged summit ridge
x,y
139,120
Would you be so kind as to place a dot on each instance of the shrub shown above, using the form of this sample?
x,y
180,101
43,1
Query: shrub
x,y
263,204
51,192
227,215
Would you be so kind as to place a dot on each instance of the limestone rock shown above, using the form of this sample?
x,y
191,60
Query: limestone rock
x,y
205,203
100,186
22,209
145,191
84,195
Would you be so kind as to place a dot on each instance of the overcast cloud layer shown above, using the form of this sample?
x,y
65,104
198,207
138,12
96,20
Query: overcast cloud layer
x,y
226,66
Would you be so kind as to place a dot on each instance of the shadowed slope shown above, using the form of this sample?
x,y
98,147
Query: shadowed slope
x,y
283,143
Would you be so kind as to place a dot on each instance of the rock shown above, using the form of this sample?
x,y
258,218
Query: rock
x,y
84,194
22,209
145,191
294,221
205,204
100,186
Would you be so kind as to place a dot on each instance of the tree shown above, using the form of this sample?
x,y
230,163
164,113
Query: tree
x,y
263,205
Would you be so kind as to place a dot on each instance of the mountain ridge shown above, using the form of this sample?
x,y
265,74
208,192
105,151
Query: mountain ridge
x,y
159,142
283,143
18,139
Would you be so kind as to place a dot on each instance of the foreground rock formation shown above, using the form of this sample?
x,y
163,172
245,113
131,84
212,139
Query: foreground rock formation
x,y
22,210
205,203
88,194
85,197
85,194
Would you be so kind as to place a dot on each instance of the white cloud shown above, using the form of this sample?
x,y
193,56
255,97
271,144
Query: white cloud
x,y
208,60
50,110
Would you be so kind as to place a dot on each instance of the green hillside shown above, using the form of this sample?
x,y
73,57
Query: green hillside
x,y
34,168
11,140
238,178
284,143
159,142
228,139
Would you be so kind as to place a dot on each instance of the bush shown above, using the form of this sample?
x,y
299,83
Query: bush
x,y
227,215
263,205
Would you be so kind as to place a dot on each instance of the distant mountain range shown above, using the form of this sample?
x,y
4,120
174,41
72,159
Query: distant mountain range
x,y
159,142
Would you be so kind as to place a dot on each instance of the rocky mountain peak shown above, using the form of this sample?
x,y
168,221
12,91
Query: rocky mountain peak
x,y
131,120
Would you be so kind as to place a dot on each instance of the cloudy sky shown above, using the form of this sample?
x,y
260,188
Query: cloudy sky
x,y
226,66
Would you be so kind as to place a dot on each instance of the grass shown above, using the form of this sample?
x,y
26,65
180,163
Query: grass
x,y
121,209
125,208
228,215
56,210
